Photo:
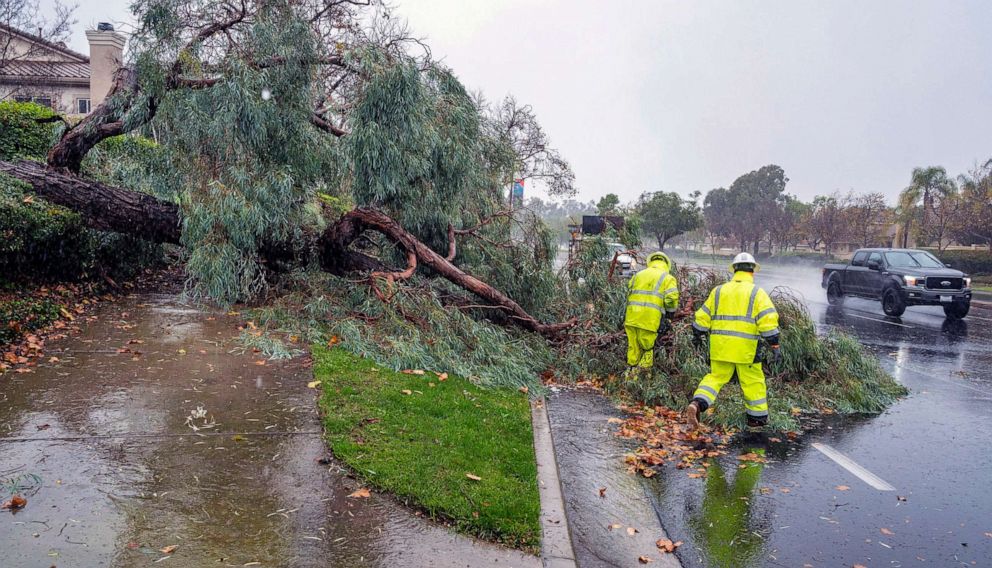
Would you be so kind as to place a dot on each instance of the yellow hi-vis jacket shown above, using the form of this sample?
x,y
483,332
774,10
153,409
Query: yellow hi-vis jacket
x,y
736,314
650,293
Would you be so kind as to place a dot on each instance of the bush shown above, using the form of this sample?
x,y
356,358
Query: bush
x,y
45,242
21,136
968,261
18,317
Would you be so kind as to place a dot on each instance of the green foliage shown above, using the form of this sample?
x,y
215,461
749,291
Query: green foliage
x,y
416,149
421,445
666,215
608,204
968,261
21,136
18,317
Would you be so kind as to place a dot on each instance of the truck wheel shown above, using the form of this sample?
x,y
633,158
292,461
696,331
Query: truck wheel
x,y
957,310
892,303
834,295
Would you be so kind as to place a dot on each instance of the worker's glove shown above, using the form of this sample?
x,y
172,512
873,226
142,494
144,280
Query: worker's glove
x,y
697,337
664,326
776,355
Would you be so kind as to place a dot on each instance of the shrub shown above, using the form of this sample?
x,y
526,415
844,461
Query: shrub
x,y
22,316
968,261
21,136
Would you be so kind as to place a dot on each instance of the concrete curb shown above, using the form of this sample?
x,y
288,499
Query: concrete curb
x,y
556,541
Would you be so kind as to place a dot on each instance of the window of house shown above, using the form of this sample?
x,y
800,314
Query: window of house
x,y
82,106
37,99
44,101
22,99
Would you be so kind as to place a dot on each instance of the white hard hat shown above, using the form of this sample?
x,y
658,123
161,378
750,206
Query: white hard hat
x,y
744,258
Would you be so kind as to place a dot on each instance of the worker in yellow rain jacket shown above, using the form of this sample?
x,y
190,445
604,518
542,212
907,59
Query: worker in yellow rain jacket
x,y
736,315
652,298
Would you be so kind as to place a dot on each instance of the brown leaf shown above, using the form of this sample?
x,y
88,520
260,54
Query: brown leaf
x,y
886,531
859,566
442,376
785,490
473,477
666,545
644,559
602,492
615,526
842,488
169,549
362,493
260,362
632,531
16,502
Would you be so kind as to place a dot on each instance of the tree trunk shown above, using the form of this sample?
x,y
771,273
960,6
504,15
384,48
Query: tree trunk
x,y
103,207
661,242
109,208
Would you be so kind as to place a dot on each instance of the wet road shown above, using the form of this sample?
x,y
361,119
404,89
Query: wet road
x,y
921,496
151,430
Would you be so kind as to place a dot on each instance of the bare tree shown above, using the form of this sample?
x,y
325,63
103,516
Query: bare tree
x,y
24,17
827,220
869,217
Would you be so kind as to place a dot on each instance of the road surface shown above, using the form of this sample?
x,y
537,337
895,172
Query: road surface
x,y
909,487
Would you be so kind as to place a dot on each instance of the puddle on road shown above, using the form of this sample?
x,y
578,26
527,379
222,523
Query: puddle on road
x,y
124,474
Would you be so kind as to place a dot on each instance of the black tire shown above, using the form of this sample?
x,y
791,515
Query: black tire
x,y
957,310
892,303
834,294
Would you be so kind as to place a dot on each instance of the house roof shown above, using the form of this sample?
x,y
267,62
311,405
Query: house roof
x,y
57,47
42,70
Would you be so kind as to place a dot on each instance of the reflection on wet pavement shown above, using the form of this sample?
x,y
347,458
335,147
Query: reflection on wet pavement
x,y
153,430
590,457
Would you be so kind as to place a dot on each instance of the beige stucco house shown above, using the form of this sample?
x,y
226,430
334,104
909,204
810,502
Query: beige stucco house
x,y
51,74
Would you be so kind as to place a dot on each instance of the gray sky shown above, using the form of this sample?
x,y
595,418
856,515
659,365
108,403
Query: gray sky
x,y
679,96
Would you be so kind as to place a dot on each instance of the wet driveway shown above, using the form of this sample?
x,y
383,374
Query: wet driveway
x,y
152,438
909,487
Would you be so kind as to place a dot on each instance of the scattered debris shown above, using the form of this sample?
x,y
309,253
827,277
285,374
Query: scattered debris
x,y
473,477
15,503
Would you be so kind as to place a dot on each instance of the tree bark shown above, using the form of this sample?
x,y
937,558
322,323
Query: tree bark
x,y
102,206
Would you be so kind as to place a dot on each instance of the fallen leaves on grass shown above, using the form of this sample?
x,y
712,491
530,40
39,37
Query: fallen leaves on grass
x,y
313,384
667,546
524,390
362,493
407,392
413,371
14,503
473,477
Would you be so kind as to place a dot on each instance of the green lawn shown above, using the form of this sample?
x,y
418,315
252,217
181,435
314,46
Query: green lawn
x,y
422,446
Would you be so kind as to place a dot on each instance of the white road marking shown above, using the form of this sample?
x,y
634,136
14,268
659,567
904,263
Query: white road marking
x,y
876,319
978,318
849,464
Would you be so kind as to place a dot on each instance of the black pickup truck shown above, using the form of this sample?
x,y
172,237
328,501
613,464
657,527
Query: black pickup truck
x,y
899,278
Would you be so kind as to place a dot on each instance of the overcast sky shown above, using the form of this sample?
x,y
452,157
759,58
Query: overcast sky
x,y
679,96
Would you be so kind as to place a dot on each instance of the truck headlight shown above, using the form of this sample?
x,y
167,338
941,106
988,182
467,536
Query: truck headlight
x,y
911,280
967,282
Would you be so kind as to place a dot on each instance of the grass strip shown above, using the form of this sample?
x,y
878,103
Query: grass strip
x,y
421,438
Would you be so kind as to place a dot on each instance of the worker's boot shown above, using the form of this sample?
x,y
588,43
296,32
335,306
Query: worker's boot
x,y
692,415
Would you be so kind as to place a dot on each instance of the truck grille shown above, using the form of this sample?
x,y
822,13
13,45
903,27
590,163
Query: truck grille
x,y
939,283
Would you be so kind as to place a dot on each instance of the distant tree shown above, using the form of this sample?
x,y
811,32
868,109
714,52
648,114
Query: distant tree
x,y
608,204
869,216
25,16
916,201
827,220
665,215
944,211
973,223
784,221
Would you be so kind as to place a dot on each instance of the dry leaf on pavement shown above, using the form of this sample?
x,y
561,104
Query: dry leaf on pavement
x,y
842,488
886,531
667,545
14,503
602,492
632,531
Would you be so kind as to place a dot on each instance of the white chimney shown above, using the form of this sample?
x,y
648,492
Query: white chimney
x,y
106,57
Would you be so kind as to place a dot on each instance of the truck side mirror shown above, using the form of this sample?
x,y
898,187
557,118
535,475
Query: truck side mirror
x,y
873,265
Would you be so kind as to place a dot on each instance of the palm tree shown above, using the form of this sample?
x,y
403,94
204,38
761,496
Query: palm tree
x,y
926,184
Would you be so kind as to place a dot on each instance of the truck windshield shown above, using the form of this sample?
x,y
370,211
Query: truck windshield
x,y
914,259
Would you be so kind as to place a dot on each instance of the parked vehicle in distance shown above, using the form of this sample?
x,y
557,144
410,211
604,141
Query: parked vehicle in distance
x,y
899,278
626,263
